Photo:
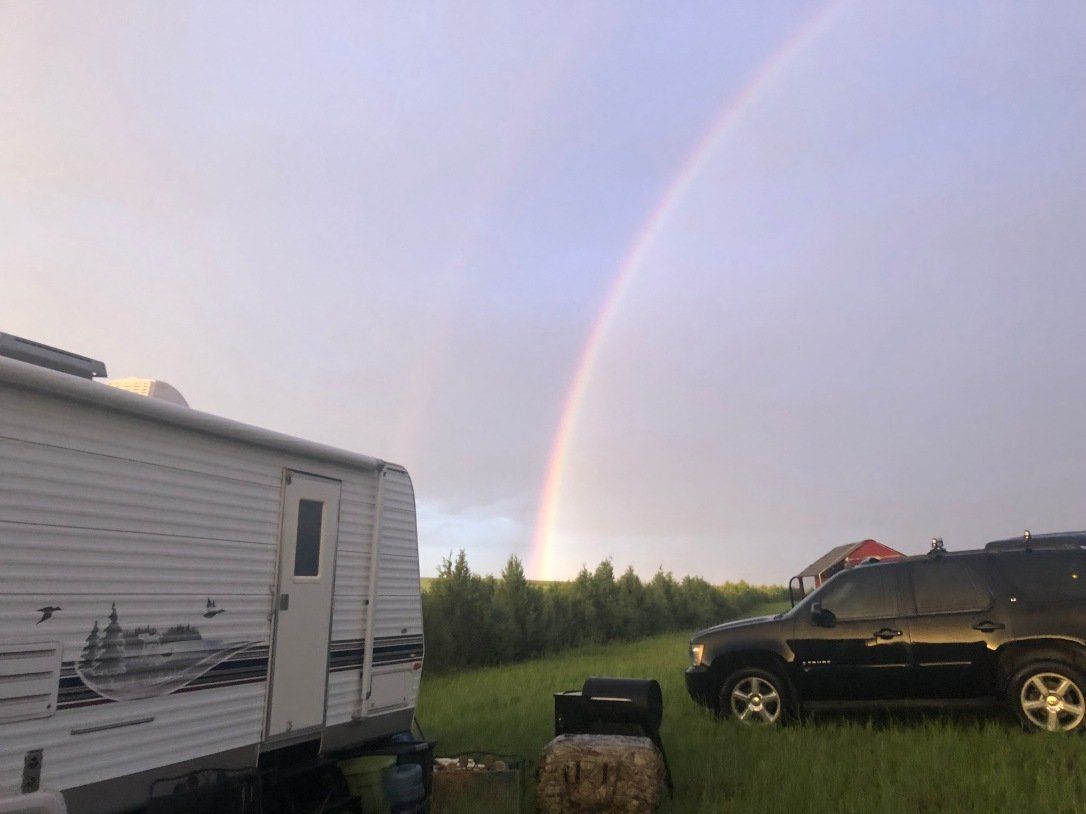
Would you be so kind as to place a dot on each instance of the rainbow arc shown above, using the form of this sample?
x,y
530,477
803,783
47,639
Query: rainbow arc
x,y
541,560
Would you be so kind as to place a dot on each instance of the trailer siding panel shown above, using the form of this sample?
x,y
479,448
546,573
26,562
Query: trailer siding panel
x,y
195,723
50,486
47,560
398,616
344,696
55,422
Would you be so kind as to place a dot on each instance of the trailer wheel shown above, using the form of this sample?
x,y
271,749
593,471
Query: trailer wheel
x,y
754,696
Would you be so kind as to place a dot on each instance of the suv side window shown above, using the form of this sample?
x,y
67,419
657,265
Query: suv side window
x,y
1045,576
867,592
946,586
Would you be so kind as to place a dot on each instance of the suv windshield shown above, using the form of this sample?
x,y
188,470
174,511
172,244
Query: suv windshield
x,y
813,596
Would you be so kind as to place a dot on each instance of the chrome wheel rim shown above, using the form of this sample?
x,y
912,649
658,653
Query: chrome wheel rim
x,y
755,701
1052,702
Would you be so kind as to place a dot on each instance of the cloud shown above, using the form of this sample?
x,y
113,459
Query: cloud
x,y
490,533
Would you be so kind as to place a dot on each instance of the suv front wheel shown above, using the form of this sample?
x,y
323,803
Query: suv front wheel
x,y
1048,696
753,696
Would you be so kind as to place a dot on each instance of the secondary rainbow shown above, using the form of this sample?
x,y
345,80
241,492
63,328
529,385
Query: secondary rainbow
x,y
735,107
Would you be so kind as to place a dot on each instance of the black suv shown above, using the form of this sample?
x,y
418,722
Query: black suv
x,y
1006,623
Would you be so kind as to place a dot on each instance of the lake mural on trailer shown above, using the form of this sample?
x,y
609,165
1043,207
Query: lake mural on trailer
x,y
125,664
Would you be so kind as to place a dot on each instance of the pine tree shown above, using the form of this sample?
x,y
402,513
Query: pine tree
x,y
518,607
111,660
90,652
631,600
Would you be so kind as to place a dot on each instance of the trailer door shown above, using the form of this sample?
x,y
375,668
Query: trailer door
x,y
303,606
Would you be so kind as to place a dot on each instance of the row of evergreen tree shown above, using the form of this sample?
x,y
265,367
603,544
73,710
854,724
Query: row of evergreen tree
x,y
472,619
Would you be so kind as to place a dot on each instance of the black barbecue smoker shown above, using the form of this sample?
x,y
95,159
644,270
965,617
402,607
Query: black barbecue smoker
x,y
613,706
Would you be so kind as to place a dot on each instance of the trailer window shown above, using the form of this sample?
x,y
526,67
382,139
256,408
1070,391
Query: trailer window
x,y
307,549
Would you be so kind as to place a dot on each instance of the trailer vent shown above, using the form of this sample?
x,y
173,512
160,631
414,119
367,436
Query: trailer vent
x,y
29,680
35,353
150,388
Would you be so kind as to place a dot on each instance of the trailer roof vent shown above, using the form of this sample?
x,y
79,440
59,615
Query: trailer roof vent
x,y
35,353
151,388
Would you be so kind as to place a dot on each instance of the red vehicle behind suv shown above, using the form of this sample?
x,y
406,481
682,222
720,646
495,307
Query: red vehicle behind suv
x,y
1003,624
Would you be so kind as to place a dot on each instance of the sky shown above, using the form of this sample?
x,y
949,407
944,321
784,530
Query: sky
x,y
708,287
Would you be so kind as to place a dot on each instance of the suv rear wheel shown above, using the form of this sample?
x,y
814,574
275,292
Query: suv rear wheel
x,y
753,696
1048,696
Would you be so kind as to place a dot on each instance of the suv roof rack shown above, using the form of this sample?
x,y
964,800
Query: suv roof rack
x,y
26,350
1064,540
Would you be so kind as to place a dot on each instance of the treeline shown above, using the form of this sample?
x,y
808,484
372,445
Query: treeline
x,y
472,619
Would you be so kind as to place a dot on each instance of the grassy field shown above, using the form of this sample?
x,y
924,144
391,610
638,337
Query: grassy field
x,y
830,764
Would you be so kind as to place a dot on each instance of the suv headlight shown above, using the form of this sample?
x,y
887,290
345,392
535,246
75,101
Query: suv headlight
x,y
696,651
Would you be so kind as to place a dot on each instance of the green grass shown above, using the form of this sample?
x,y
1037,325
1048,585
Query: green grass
x,y
830,764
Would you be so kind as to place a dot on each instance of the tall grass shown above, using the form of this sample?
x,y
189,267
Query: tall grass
x,y
913,763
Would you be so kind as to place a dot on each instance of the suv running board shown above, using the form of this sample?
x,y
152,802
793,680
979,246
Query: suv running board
x,y
983,702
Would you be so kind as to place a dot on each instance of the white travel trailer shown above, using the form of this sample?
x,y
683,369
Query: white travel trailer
x,y
179,591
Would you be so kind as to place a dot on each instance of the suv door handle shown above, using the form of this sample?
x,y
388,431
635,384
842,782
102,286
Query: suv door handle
x,y
887,633
988,627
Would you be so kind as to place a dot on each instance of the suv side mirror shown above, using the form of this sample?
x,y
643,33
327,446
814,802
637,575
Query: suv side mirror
x,y
822,616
